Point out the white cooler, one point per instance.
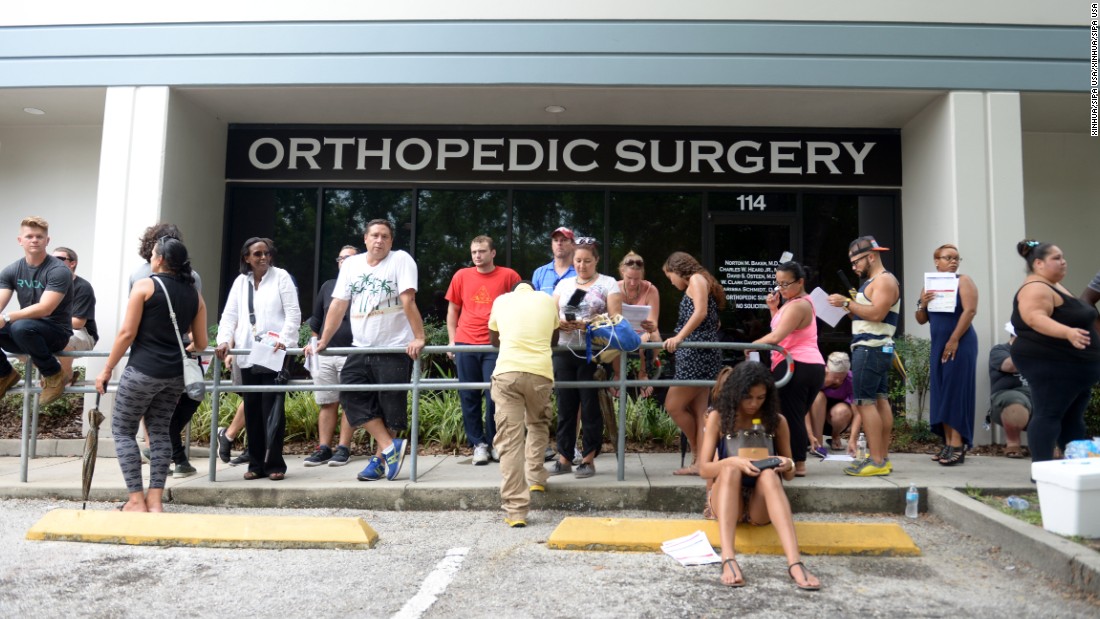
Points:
(1069, 495)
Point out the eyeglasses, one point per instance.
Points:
(65, 258)
(630, 262)
(785, 285)
(260, 254)
(949, 258)
(856, 261)
(586, 240)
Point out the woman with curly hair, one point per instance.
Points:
(743, 492)
(697, 322)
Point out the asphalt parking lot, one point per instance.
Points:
(503, 573)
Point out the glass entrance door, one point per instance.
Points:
(743, 253)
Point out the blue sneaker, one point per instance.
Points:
(395, 457)
(375, 470)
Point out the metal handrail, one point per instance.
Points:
(216, 386)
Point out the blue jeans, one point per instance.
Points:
(477, 367)
(36, 337)
(870, 374)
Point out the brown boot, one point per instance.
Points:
(53, 387)
(9, 380)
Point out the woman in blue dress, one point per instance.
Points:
(953, 362)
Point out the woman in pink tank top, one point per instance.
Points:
(794, 327)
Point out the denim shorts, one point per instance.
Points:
(870, 374)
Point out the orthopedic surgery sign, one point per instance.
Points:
(508, 154)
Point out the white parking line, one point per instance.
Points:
(434, 585)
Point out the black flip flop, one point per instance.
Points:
(805, 574)
(737, 573)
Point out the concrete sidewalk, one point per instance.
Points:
(452, 482)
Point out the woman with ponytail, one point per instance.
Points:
(1057, 350)
(152, 382)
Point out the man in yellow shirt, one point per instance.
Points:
(524, 325)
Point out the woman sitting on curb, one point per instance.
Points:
(743, 492)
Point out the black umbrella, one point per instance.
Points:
(91, 446)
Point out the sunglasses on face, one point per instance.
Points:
(633, 263)
(260, 254)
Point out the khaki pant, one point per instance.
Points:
(522, 401)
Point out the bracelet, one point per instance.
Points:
(920, 308)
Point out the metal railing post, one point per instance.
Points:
(621, 451)
(31, 369)
(414, 435)
(25, 445)
(215, 410)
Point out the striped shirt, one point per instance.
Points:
(872, 333)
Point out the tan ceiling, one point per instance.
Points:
(1049, 112)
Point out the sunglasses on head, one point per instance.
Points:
(631, 262)
(586, 240)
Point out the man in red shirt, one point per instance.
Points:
(470, 297)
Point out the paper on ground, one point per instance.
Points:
(838, 458)
(831, 315)
(694, 549)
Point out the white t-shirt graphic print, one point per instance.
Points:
(374, 296)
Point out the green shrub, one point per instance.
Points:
(914, 353)
(909, 434)
(1092, 413)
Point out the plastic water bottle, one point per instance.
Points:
(912, 501)
(754, 442)
(861, 447)
(1017, 503)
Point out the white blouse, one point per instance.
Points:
(276, 307)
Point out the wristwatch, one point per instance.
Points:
(847, 302)
(7, 319)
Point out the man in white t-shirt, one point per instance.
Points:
(378, 287)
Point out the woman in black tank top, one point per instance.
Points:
(1057, 350)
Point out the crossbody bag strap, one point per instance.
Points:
(172, 315)
(251, 308)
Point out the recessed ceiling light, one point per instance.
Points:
(555, 109)
(33, 110)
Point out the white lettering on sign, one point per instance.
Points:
(747, 282)
(702, 157)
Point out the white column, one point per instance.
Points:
(131, 170)
(962, 184)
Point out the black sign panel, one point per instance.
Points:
(565, 155)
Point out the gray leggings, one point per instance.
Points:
(140, 396)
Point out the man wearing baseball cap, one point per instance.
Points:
(548, 275)
(874, 313)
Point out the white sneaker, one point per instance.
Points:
(481, 454)
(494, 454)
(578, 457)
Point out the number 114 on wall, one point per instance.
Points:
(750, 202)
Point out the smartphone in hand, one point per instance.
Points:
(767, 463)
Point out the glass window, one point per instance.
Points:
(830, 222)
(446, 222)
(286, 216)
(654, 225)
(536, 214)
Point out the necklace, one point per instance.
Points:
(632, 298)
(587, 281)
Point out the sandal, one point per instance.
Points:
(954, 455)
(941, 454)
(253, 475)
(739, 576)
(708, 512)
(805, 576)
(1014, 451)
(277, 476)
